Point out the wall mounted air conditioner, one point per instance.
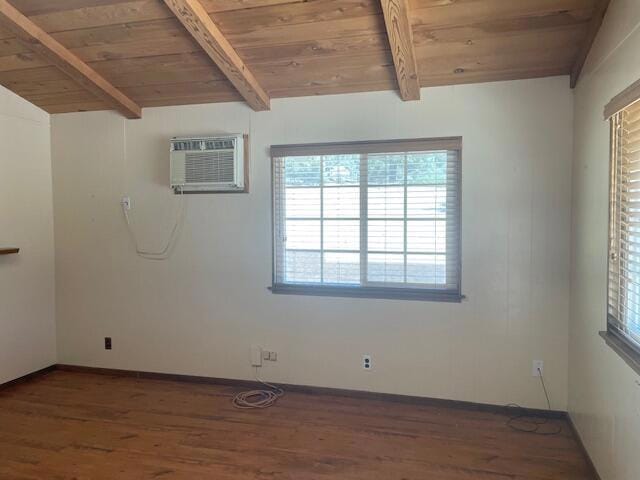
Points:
(208, 164)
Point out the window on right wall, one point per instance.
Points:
(623, 308)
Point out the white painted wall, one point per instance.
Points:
(604, 399)
(27, 324)
(200, 312)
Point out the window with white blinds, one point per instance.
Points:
(624, 227)
(374, 219)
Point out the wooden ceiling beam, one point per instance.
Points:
(197, 21)
(41, 43)
(592, 32)
(396, 19)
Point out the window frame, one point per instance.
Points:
(619, 341)
(371, 289)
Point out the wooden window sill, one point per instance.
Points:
(624, 351)
(368, 292)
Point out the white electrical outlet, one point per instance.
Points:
(366, 362)
(126, 203)
(269, 356)
(256, 356)
(537, 368)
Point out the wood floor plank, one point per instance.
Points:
(80, 426)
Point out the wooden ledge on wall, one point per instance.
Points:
(9, 250)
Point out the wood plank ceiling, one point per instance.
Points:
(292, 47)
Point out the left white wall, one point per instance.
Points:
(27, 311)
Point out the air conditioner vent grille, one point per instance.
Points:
(208, 164)
(219, 144)
(184, 145)
(210, 167)
(194, 145)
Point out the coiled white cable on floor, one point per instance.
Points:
(258, 398)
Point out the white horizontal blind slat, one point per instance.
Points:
(624, 225)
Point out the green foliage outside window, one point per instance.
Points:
(387, 169)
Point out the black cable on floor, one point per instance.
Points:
(526, 422)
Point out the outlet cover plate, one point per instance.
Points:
(367, 363)
(256, 356)
(537, 368)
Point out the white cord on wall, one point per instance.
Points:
(173, 236)
(168, 248)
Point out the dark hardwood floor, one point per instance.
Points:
(68, 425)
